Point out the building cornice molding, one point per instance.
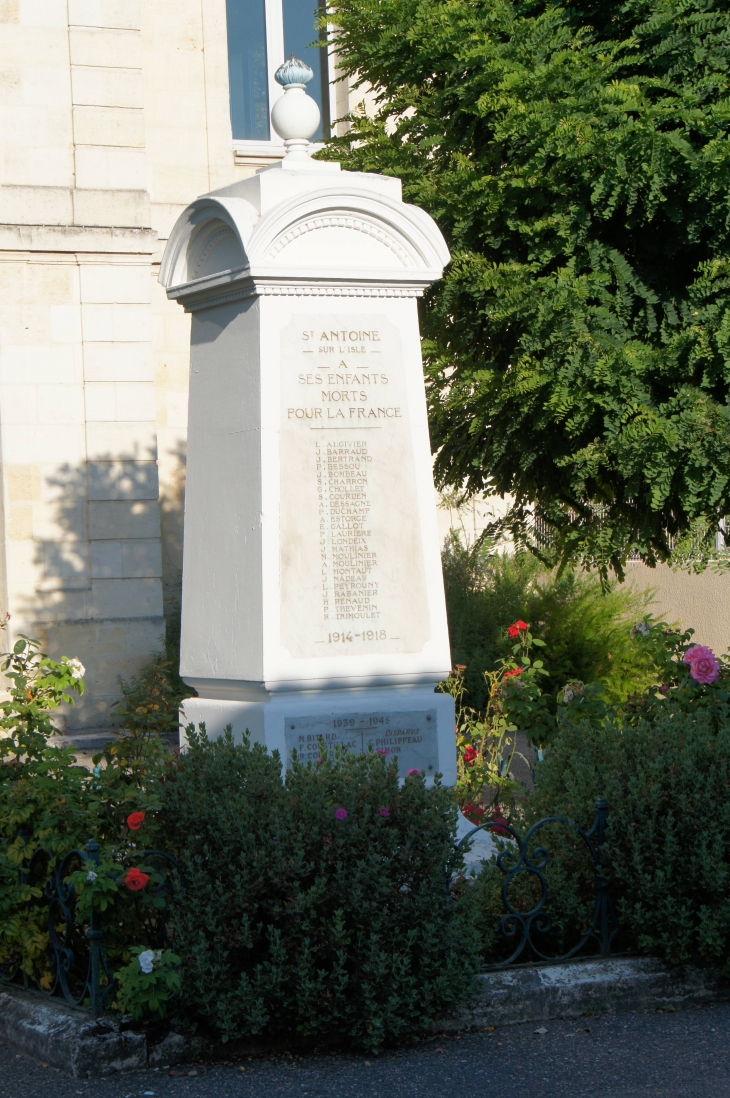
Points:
(77, 238)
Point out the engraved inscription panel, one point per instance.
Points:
(410, 737)
(352, 572)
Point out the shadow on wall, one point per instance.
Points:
(94, 579)
(172, 513)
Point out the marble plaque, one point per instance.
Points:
(351, 561)
(410, 737)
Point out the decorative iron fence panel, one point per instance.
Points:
(513, 863)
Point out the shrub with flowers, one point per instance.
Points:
(487, 741)
(49, 802)
(315, 907)
(319, 906)
(148, 982)
(661, 759)
(690, 676)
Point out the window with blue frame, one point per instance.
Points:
(258, 42)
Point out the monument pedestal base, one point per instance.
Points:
(410, 723)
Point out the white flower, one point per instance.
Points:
(77, 669)
(147, 961)
(572, 690)
(641, 627)
(91, 876)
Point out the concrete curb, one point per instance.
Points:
(539, 993)
(70, 1039)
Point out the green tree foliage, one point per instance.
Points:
(587, 632)
(576, 157)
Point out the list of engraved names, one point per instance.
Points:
(348, 561)
(351, 566)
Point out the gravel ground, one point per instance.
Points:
(679, 1055)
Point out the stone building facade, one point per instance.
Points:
(116, 113)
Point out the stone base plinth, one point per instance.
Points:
(413, 724)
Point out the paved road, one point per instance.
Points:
(684, 1055)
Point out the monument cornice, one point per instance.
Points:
(253, 241)
(244, 284)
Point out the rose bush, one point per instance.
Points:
(47, 801)
(148, 982)
(486, 741)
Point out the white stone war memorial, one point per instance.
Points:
(313, 604)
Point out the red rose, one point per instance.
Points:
(135, 820)
(472, 810)
(502, 830)
(470, 755)
(510, 674)
(517, 628)
(136, 880)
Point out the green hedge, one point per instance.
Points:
(667, 783)
(319, 906)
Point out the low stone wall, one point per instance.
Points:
(83, 1047)
(539, 993)
(70, 1039)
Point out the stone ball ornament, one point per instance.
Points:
(295, 116)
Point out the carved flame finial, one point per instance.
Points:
(295, 116)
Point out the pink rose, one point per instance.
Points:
(703, 664)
